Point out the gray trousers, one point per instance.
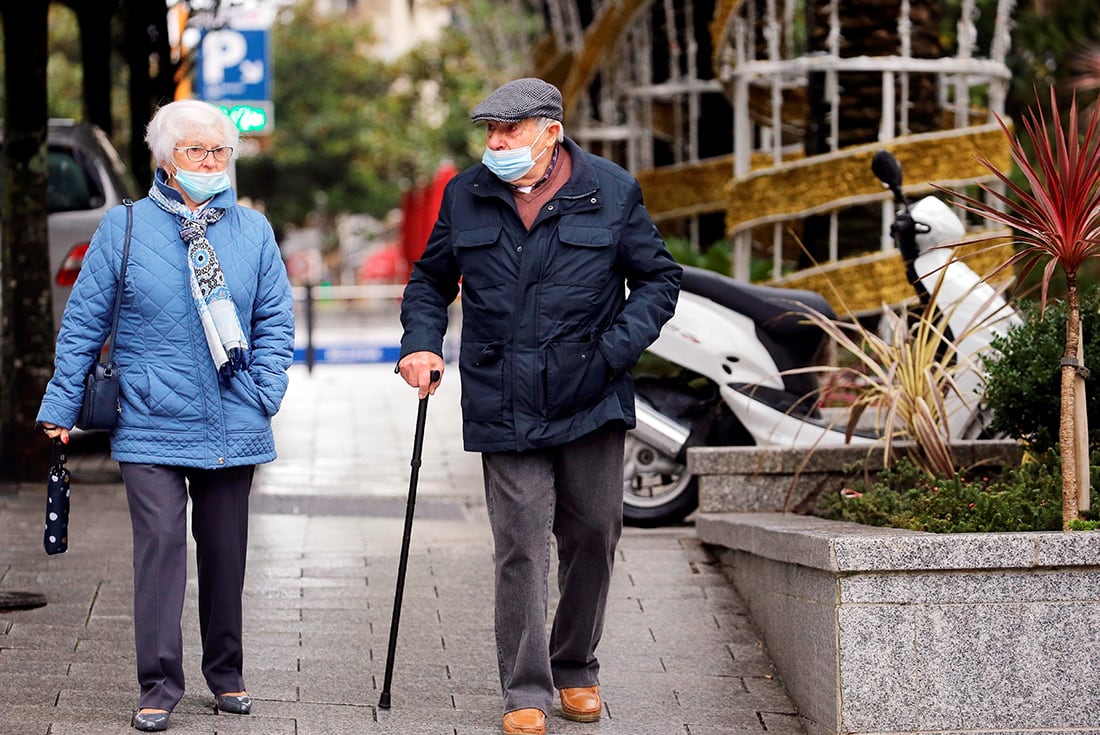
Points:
(157, 498)
(572, 493)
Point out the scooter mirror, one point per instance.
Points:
(887, 169)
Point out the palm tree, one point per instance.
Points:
(1056, 218)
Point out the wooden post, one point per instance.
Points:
(1082, 439)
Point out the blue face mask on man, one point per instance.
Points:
(201, 186)
(513, 165)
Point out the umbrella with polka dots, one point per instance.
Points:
(56, 535)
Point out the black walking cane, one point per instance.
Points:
(418, 443)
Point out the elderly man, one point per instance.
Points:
(546, 239)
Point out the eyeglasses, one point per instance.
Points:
(198, 154)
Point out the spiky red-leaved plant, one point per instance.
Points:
(1056, 219)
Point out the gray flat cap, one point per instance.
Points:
(519, 100)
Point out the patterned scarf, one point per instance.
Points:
(213, 301)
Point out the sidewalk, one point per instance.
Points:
(679, 654)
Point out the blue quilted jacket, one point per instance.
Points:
(174, 410)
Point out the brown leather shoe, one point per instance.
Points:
(581, 704)
(524, 722)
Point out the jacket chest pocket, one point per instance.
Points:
(586, 256)
(480, 257)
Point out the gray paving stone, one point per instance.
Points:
(679, 656)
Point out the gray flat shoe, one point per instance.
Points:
(235, 705)
(150, 721)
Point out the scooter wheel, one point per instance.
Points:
(657, 491)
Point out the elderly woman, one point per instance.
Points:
(204, 339)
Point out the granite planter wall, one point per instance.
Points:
(888, 631)
(768, 479)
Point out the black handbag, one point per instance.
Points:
(100, 408)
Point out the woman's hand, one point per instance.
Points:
(55, 432)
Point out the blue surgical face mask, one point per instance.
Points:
(201, 186)
(513, 165)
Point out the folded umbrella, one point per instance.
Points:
(56, 536)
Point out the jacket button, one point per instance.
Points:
(221, 460)
(593, 200)
(549, 207)
(519, 248)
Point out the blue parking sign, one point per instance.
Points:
(234, 64)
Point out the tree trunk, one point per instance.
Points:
(1081, 416)
(1067, 425)
(94, 19)
(164, 78)
(152, 74)
(26, 315)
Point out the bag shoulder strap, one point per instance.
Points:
(121, 279)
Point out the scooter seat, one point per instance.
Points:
(777, 310)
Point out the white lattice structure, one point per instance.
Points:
(643, 80)
(970, 89)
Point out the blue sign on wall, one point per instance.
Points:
(350, 354)
(234, 64)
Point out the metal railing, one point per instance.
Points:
(309, 295)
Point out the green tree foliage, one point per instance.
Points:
(353, 131)
(1024, 380)
(505, 34)
(63, 71)
(1046, 37)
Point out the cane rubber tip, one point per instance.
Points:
(384, 701)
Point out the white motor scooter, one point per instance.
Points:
(734, 346)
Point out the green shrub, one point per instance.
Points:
(717, 257)
(1023, 386)
(1024, 498)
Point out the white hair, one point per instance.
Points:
(541, 121)
(184, 119)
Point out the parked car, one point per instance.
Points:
(86, 177)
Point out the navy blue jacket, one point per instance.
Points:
(549, 333)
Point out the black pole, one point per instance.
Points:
(403, 563)
(309, 328)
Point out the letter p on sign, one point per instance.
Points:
(233, 68)
(221, 50)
